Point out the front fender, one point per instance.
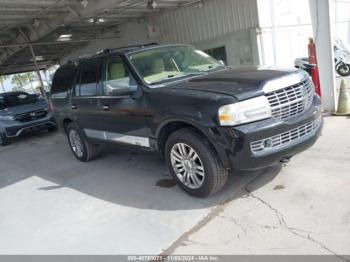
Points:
(170, 120)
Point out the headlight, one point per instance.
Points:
(6, 118)
(244, 112)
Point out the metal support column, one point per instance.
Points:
(42, 88)
(321, 23)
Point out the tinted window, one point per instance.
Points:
(117, 77)
(16, 99)
(62, 81)
(88, 79)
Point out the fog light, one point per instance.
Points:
(267, 143)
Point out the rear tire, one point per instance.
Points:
(4, 141)
(81, 148)
(194, 164)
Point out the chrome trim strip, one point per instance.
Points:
(99, 97)
(117, 137)
(22, 129)
(286, 139)
(284, 82)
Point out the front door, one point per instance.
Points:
(120, 106)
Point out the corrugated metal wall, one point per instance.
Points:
(210, 19)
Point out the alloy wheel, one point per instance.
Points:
(187, 165)
(76, 143)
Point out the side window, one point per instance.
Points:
(118, 77)
(88, 80)
(62, 82)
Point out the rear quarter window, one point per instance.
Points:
(63, 82)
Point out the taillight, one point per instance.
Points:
(50, 108)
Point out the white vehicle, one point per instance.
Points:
(342, 58)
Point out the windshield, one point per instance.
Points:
(172, 62)
(16, 99)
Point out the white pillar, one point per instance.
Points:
(321, 23)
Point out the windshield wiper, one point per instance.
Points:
(195, 73)
(176, 76)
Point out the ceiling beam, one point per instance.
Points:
(24, 44)
(48, 25)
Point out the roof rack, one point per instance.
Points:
(110, 50)
(104, 51)
(135, 46)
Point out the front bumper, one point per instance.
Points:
(16, 128)
(234, 145)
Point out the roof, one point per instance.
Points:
(122, 50)
(41, 22)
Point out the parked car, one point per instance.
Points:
(203, 117)
(21, 112)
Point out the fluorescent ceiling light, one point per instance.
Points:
(96, 20)
(84, 3)
(38, 58)
(36, 23)
(152, 4)
(65, 37)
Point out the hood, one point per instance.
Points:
(13, 111)
(241, 83)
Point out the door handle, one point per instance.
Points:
(74, 106)
(105, 107)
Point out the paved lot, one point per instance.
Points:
(123, 203)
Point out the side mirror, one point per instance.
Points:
(222, 62)
(121, 91)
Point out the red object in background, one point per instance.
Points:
(50, 106)
(314, 70)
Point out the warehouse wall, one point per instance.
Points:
(241, 47)
(207, 25)
(132, 33)
(208, 20)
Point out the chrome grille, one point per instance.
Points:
(30, 116)
(291, 101)
(285, 139)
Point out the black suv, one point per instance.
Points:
(203, 117)
(21, 112)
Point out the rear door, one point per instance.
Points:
(85, 94)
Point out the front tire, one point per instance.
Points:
(81, 148)
(194, 163)
(4, 141)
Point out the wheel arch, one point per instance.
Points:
(171, 126)
(65, 122)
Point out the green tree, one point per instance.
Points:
(29, 77)
(2, 80)
(18, 80)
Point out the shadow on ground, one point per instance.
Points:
(120, 176)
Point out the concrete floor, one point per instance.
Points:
(52, 204)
